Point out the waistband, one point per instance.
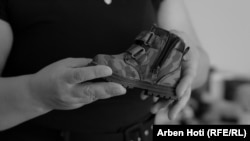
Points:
(140, 131)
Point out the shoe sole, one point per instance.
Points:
(152, 89)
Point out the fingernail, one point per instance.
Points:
(107, 70)
(119, 90)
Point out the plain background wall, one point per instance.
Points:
(223, 27)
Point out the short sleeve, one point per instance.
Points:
(3, 13)
(156, 4)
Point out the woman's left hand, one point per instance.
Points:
(190, 66)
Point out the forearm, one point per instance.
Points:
(173, 16)
(16, 103)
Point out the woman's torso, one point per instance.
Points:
(49, 30)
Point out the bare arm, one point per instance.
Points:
(15, 104)
(173, 15)
(57, 86)
(6, 39)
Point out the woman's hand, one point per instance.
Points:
(62, 85)
(183, 90)
(193, 76)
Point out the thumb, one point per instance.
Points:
(77, 62)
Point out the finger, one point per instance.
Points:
(179, 105)
(78, 75)
(157, 107)
(160, 105)
(189, 73)
(143, 95)
(161, 117)
(77, 62)
(183, 85)
(187, 56)
(95, 91)
(155, 99)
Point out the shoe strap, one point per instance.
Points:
(145, 39)
(137, 53)
(134, 55)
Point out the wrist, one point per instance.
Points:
(33, 95)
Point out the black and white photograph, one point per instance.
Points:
(124, 70)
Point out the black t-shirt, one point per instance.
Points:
(46, 31)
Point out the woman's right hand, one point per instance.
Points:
(62, 85)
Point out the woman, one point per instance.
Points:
(39, 86)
